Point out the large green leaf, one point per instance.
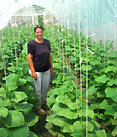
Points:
(90, 125)
(60, 135)
(100, 116)
(5, 102)
(2, 92)
(112, 82)
(12, 69)
(113, 121)
(3, 132)
(32, 134)
(22, 131)
(3, 112)
(63, 99)
(15, 68)
(49, 125)
(68, 113)
(77, 125)
(102, 79)
(30, 119)
(11, 81)
(21, 82)
(101, 94)
(27, 89)
(110, 111)
(114, 132)
(56, 108)
(95, 62)
(50, 99)
(28, 78)
(72, 105)
(18, 96)
(83, 112)
(91, 90)
(13, 119)
(104, 104)
(25, 107)
(112, 93)
(110, 68)
(68, 129)
(115, 115)
(84, 67)
(77, 133)
(96, 123)
(59, 122)
(50, 118)
(95, 105)
(101, 133)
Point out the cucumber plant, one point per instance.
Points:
(67, 102)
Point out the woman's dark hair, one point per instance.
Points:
(38, 26)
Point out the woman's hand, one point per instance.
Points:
(30, 61)
(34, 75)
(51, 71)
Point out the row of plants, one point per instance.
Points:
(67, 102)
(17, 100)
(72, 113)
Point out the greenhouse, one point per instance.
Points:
(82, 95)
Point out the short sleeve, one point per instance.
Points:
(30, 48)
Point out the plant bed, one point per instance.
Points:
(77, 109)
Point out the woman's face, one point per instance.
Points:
(39, 33)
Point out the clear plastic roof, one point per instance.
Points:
(97, 18)
(10, 7)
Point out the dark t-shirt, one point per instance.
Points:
(41, 54)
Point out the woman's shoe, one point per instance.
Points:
(41, 111)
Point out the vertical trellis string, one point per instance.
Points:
(3, 59)
(80, 54)
(61, 62)
(86, 68)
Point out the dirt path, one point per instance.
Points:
(39, 128)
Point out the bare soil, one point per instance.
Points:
(39, 128)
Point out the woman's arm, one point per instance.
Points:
(31, 65)
(51, 66)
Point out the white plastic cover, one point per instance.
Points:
(94, 18)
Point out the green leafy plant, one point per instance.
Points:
(101, 60)
(74, 112)
(16, 98)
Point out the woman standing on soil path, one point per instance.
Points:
(40, 64)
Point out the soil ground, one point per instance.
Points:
(39, 128)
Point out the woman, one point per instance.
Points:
(40, 63)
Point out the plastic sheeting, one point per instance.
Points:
(95, 18)
(9, 8)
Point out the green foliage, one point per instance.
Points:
(73, 111)
(67, 102)
(16, 96)
(22, 131)
(3, 132)
(40, 19)
(13, 119)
